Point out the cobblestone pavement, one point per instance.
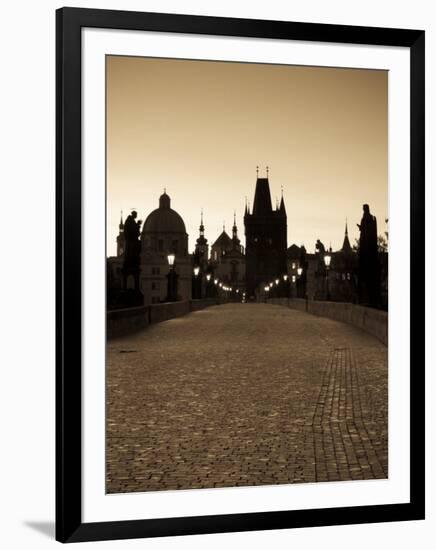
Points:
(245, 394)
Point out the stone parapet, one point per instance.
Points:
(121, 322)
(373, 321)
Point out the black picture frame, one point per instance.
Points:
(69, 525)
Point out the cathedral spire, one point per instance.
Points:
(121, 226)
(346, 247)
(201, 224)
(234, 228)
(201, 241)
(282, 204)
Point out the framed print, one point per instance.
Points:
(240, 308)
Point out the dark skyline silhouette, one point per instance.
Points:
(199, 129)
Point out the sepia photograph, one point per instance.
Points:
(247, 248)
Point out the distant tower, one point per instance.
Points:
(236, 243)
(201, 246)
(265, 237)
(346, 246)
(120, 237)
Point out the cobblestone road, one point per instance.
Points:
(245, 394)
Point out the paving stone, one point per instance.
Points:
(243, 395)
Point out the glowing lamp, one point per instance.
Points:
(171, 258)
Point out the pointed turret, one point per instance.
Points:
(346, 247)
(120, 237)
(201, 224)
(282, 205)
(262, 198)
(201, 246)
(234, 228)
(201, 241)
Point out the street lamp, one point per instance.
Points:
(215, 282)
(209, 285)
(327, 260)
(299, 282)
(196, 283)
(172, 280)
(292, 280)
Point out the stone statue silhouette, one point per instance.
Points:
(369, 279)
(132, 229)
(320, 248)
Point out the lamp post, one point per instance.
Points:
(196, 295)
(293, 281)
(208, 285)
(299, 274)
(327, 260)
(286, 287)
(266, 292)
(172, 279)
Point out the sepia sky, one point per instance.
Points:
(199, 128)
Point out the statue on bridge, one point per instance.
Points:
(369, 270)
(132, 230)
(320, 248)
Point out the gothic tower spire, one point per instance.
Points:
(201, 247)
(121, 237)
(265, 237)
(346, 247)
(282, 204)
(234, 228)
(201, 225)
(262, 197)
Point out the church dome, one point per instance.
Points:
(164, 219)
